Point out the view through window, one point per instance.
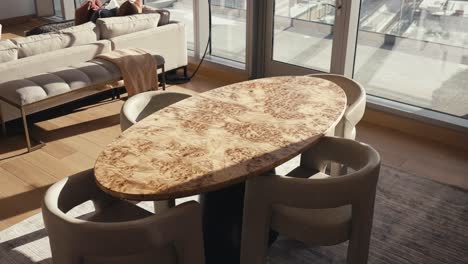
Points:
(228, 25)
(181, 10)
(58, 8)
(303, 33)
(416, 52)
(410, 51)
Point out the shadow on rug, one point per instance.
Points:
(416, 220)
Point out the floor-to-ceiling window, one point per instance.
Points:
(181, 10)
(303, 33)
(228, 25)
(415, 52)
(58, 12)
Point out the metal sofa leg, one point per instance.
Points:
(26, 133)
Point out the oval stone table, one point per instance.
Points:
(217, 139)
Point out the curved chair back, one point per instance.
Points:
(171, 237)
(144, 104)
(356, 96)
(356, 189)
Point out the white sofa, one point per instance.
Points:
(43, 71)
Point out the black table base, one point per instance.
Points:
(222, 224)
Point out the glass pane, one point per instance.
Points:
(181, 10)
(58, 8)
(415, 52)
(303, 32)
(229, 29)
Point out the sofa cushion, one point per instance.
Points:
(96, 72)
(8, 51)
(117, 26)
(60, 81)
(33, 65)
(32, 45)
(79, 35)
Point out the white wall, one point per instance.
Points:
(16, 8)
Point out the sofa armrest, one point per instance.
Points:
(168, 41)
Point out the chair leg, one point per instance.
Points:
(26, 133)
(361, 229)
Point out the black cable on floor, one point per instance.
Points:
(175, 79)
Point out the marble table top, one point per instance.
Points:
(218, 138)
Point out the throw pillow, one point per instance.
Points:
(117, 26)
(130, 8)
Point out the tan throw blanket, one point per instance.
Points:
(138, 68)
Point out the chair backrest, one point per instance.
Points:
(174, 236)
(144, 104)
(356, 97)
(352, 188)
(356, 189)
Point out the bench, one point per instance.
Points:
(77, 81)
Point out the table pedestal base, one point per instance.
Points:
(222, 224)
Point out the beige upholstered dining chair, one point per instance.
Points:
(356, 96)
(312, 207)
(118, 231)
(144, 104)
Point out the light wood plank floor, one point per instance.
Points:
(15, 30)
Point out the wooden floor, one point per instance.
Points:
(75, 139)
(17, 29)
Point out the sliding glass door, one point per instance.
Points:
(227, 26)
(302, 35)
(306, 36)
(410, 55)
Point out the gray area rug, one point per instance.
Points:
(416, 221)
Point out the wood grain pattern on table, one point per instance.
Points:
(219, 138)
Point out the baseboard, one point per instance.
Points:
(417, 128)
(216, 69)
